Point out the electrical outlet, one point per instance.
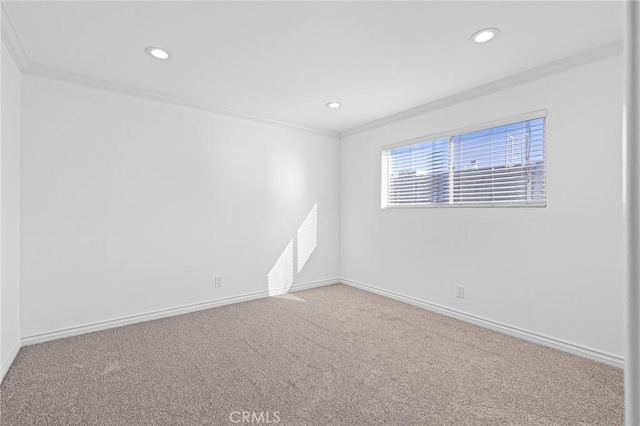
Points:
(218, 282)
(460, 291)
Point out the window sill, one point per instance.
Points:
(458, 206)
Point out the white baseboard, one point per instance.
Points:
(6, 364)
(163, 313)
(555, 343)
(541, 339)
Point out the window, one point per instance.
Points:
(501, 165)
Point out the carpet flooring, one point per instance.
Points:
(331, 355)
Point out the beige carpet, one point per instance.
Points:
(327, 356)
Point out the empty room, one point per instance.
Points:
(320, 213)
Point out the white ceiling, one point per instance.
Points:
(285, 60)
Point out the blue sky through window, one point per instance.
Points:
(511, 144)
(495, 165)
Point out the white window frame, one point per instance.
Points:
(448, 134)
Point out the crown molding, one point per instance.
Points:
(13, 41)
(11, 38)
(533, 74)
(110, 86)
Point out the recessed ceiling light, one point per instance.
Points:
(485, 35)
(157, 53)
(334, 105)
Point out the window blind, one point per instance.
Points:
(501, 165)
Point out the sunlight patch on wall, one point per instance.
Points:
(307, 237)
(280, 277)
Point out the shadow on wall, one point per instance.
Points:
(280, 278)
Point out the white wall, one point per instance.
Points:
(10, 210)
(556, 271)
(132, 206)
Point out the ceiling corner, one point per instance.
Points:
(11, 38)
